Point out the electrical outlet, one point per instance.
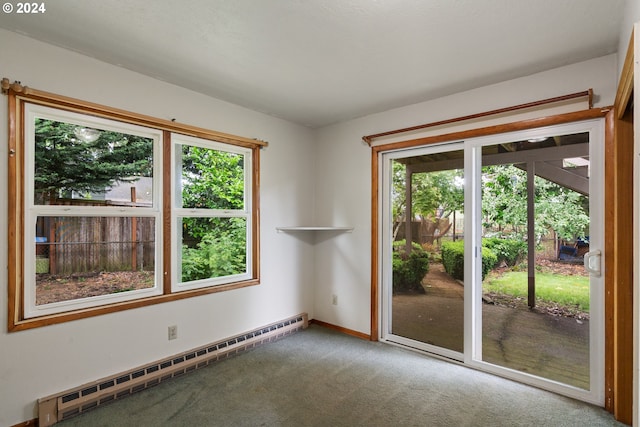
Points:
(334, 299)
(173, 332)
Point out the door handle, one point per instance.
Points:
(592, 261)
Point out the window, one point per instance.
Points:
(212, 206)
(93, 231)
(112, 210)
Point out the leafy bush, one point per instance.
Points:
(489, 260)
(453, 259)
(511, 251)
(219, 253)
(409, 270)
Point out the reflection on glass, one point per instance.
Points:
(213, 247)
(82, 257)
(428, 204)
(76, 165)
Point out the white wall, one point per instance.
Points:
(631, 16)
(343, 190)
(42, 361)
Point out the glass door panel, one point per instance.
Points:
(535, 233)
(427, 301)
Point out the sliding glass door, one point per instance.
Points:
(426, 305)
(491, 255)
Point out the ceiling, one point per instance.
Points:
(320, 62)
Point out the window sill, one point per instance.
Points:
(51, 319)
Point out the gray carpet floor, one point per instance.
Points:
(319, 377)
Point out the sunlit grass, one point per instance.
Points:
(564, 290)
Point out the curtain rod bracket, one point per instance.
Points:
(16, 86)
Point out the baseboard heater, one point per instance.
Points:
(69, 403)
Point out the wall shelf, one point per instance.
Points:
(314, 228)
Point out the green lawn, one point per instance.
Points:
(564, 290)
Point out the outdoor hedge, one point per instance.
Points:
(511, 251)
(453, 259)
(489, 260)
(409, 270)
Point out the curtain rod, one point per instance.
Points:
(587, 93)
(130, 117)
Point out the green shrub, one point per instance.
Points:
(409, 270)
(453, 259)
(219, 253)
(489, 260)
(511, 251)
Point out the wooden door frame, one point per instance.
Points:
(619, 247)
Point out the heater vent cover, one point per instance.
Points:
(77, 400)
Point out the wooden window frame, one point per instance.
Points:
(19, 96)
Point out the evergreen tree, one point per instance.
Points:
(65, 163)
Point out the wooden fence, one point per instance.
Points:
(69, 245)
